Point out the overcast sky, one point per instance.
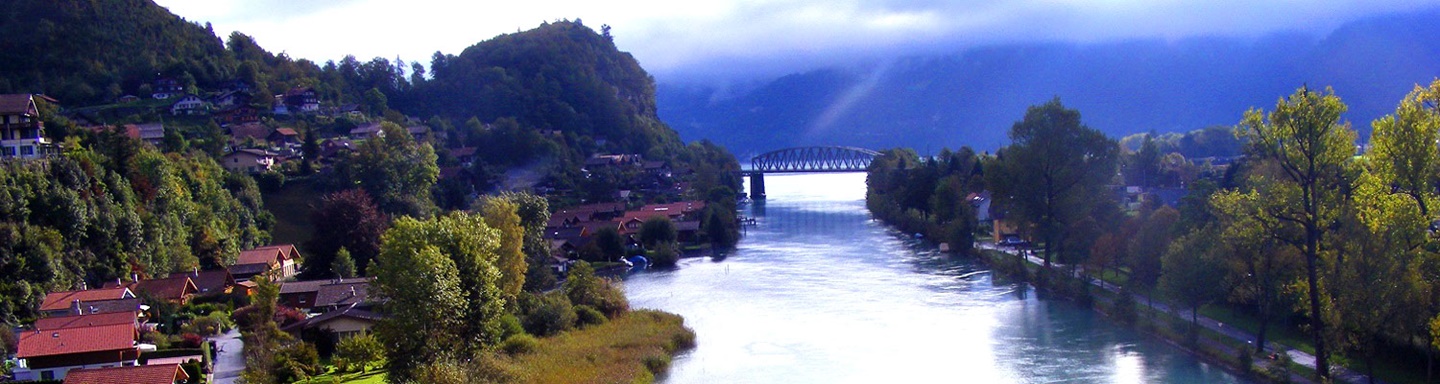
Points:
(675, 40)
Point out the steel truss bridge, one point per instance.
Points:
(806, 160)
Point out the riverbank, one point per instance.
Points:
(1209, 339)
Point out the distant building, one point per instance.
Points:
(189, 105)
(249, 160)
(166, 87)
(153, 133)
(302, 100)
(21, 132)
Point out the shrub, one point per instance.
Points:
(296, 362)
(549, 315)
(584, 288)
(356, 353)
(520, 344)
(191, 340)
(664, 255)
(587, 315)
(213, 324)
(657, 364)
(509, 325)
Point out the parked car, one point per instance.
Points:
(1013, 241)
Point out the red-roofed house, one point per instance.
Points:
(284, 136)
(95, 320)
(66, 302)
(144, 374)
(214, 281)
(50, 354)
(177, 288)
(276, 261)
(305, 294)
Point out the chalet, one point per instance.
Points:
(344, 322)
(278, 262)
(127, 99)
(189, 105)
(88, 301)
(366, 131)
(418, 131)
(280, 107)
(464, 155)
(230, 99)
(302, 100)
(332, 147)
(249, 160)
(241, 133)
(238, 114)
(215, 281)
(177, 288)
(166, 87)
(144, 374)
(21, 132)
(284, 136)
(94, 320)
(128, 130)
(343, 294)
(599, 160)
(50, 354)
(236, 85)
(656, 168)
(306, 294)
(153, 133)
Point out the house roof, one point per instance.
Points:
(174, 287)
(286, 132)
(267, 254)
(367, 128)
(143, 374)
(462, 151)
(255, 131)
(15, 104)
(110, 306)
(113, 318)
(62, 300)
(342, 294)
(567, 233)
(249, 269)
(151, 130)
(64, 341)
(314, 285)
(211, 280)
(349, 311)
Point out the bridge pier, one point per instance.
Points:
(757, 186)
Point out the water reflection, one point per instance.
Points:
(818, 292)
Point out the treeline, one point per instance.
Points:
(926, 196)
(110, 207)
(1304, 228)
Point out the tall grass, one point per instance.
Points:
(633, 347)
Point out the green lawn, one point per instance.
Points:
(375, 376)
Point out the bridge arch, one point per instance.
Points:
(806, 160)
(813, 159)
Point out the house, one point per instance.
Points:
(366, 131)
(85, 301)
(215, 281)
(177, 288)
(189, 105)
(418, 131)
(153, 133)
(302, 100)
(352, 110)
(284, 136)
(93, 320)
(280, 107)
(22, 134)
(305, 294)
(144, 374)
(50, 354)
(330, 148)
(464, 155)
(165, 88)
(237, 115)
(230, 98)
(344, 322)
(343, 294)
(241, 133)
(601, 160)
(127, 99)
(249, 160)
(276, 261)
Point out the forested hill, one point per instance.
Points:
(95, 50)
(972, 97)
(561, 76)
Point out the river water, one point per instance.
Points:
(818, 292)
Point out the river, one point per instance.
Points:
(817, 292)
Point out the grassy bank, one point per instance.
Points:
(631, 348)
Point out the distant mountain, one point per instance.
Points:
(971, 98)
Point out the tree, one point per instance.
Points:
(261, 334)
(1259, 265)
(472, 248)
(343, 267)
(657, 230)
(395, 170)
(347, 219)
(356, 353)
(426, 307)
(1053, 172)
(1190, 276)
(500, 213)
(1306, 141)
(609, 244)
(584, 288)
(1149, 246)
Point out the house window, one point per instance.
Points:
(27, 151)
(8, 151)
(47, 375)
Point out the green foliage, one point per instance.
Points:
(357, 353)
(421, 283)
(501, 214)
(1189, 268)
(584, 288)
(343, 267)
(607, 244)
(295, 362)
(664, 255)
(928, 196)
(395, 170)
(657, 230)
(587, 315)
(520, 344)
(547, 314)
(1053, 173)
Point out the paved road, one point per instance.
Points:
(229, 359)
(1342, 374)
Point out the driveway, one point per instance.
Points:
(229, 357)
